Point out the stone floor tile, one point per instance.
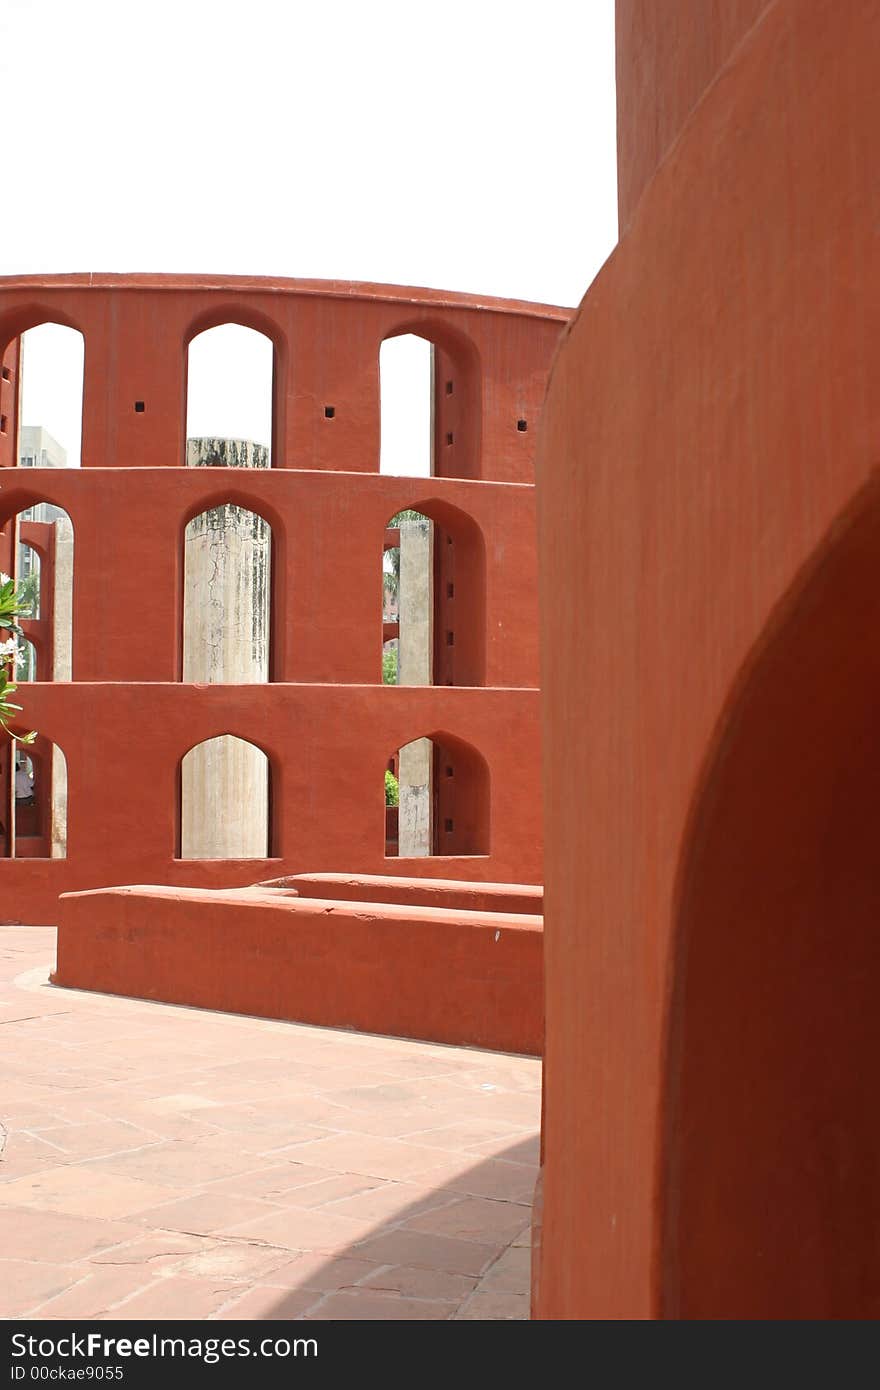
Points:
(178, 1299)
(232, 1259)
(298, 1172)
(474, 1218)
(97, 1293)
(98, 1138)
(261, 1303)
(331, 1190)
(373, 1156)
(468, 1135)
(511, 1272)
(426, 1251)
(395, 1201)
(490, 1306)
(81, 1192)
(274, 1183)
(54, 1238)
(361, 1305)
(157, 1250)
(203, 1213)
(508, 1182)
(294, 1228)
(321, 1273)
(411, 1282)
(514, 1149)
(177, 1164)
(24, 1284)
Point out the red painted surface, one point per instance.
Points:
(326, 722)
(442, 974)
(426, 892)
(709, 521)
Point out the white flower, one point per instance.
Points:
(9, 647)
(4, 578)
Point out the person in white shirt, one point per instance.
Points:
(24, 786)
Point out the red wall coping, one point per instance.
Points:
(465, 978)
(443, 893)
(322, 289)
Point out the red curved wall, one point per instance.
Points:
(709, 676)
(325, 721)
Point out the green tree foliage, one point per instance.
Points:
(392, 790)
(389, 666)
(12, 606)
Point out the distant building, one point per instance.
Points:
(38, 449)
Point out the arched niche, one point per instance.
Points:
(232, 394)
(225, 804)
(431, 402)
(36, 778)
(37, 545)
(442, 796)
(227, 614)
(50, 368)
(771, 1185)
(433, 597)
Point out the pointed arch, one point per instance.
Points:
(434, 570)
(444, 427)
(234, 369)
(224, 807)
(772, 1172)
(443, 798)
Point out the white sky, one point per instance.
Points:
(465, 146)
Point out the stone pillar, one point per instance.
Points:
(226, 615)
(414, 668)
(62, 670)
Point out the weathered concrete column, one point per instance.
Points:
(62, 670)
(414, 668)
(226, 614)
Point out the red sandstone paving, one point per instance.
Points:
(168, 1162)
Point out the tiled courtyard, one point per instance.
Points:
(162, 1162)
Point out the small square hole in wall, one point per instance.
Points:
(448, 826)
(139, 407)
(450, 772)
(450, 639)
(3, 423)
(522, 426)
(449, 438)
(449, 388)
(6, 374)
(329, 412)
(450, 591)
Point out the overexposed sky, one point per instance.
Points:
(465, 146)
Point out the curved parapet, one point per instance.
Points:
(325, 719)
(708, 528)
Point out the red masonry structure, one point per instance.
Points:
(324, 719)
(709, 519)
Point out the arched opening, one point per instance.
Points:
(229, 398)
(26, 661)
(36, 801)
(433, 598)
(225, 801)
(50, 373)
(28, 574)
(430, 393)
(406, 376)
(40, 544)
(772, 1182)
(227, 597)
(436, 799)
